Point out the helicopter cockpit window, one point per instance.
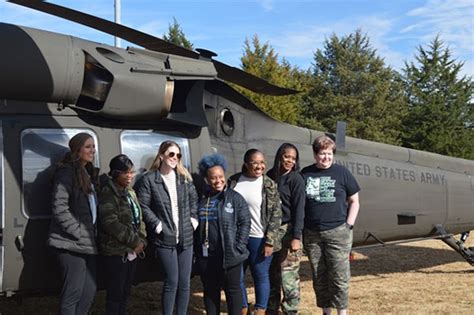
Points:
(141, 147)
(41, 150)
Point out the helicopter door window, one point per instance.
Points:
(41, 149)
(141, 147)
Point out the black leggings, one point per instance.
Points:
(214, 278)
(119, 274)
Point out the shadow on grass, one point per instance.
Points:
(145, 298)
(397, 259)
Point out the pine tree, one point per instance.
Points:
(262, 61)
(440, 109)
(351, 83)
(176, 35)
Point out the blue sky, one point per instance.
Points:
(295, 29)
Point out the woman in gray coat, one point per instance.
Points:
(72, 229)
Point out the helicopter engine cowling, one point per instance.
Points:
(122, 83)
(34, 69)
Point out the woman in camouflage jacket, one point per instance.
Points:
(122, 235)
(261, 194)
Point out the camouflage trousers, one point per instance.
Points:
(328, 253)
(284, 276)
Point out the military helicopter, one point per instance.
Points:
(130, 100)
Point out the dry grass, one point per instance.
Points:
(416, 278)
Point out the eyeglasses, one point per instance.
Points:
(172, 154)
(257, 163)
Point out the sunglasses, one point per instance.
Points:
(172, 154)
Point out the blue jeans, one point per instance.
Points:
(176, 263)
(259, 267)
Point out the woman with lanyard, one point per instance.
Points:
(121, 232)
(261, 194)
(169, 201)
(221, 239)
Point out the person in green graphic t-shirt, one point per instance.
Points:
(331, 208)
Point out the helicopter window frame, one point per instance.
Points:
(227, 121)
(141, 146)
(35, 167)
(2, 204)
(2, 178)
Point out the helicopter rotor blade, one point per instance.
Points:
(249, 81)
(124, 32)
(225, 72)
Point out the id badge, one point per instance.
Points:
(205, 251)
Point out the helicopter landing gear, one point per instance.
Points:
(458, 245)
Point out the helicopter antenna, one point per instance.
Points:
(118, 13)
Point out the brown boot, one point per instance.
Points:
(260, 311)
(245, 310)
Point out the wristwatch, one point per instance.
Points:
(349, 226)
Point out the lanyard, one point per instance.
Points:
(135, 210)
(206, 229)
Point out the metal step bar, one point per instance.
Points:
(458, 245)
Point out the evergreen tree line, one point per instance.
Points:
(427, 105)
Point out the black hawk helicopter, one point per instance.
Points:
(53, 86)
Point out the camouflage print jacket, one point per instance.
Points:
(271, 210)
(117, 233)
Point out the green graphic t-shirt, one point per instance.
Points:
(326, 196)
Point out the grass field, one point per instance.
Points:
(425, 277)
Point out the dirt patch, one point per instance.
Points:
(425, 277)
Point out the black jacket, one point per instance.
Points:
(71, 225)
(291, 187)
(234, 227)
(155, 202)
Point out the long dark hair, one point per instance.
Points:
(274, 173)
(84, 175)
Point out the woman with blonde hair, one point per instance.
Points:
(73, 222)
(169, 202)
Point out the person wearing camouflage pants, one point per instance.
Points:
(284, 270)
(328, 253)
(284, 276)
(331, 208)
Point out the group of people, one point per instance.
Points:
(255, 219)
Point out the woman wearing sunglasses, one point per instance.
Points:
(169, 201)
(121, 232)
